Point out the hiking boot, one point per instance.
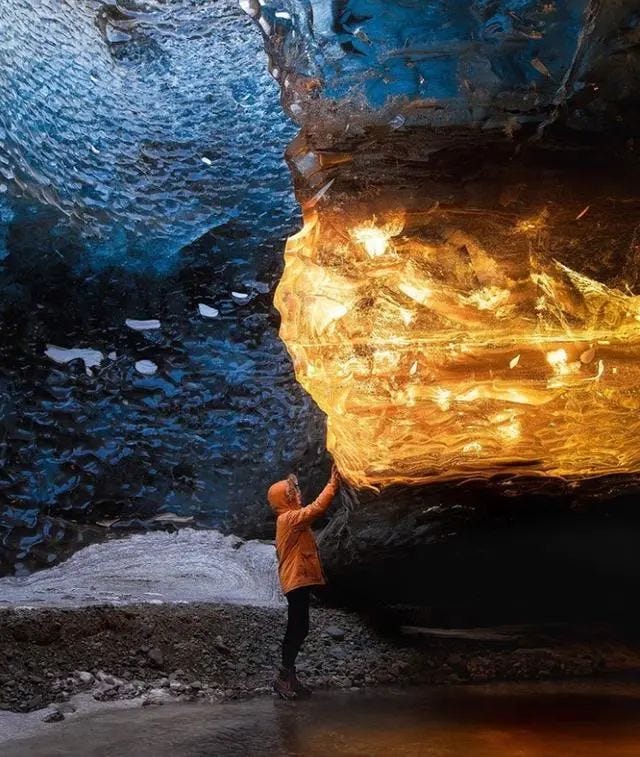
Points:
(284, 685)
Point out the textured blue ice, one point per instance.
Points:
(145, 124)
(141, 174)
(480, 63)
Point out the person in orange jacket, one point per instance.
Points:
(298, 568)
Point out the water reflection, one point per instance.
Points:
(584, 718)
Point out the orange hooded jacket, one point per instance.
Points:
(298, 559)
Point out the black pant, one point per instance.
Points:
(297, 625)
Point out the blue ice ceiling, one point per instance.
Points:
(144, 203)
(145, 123)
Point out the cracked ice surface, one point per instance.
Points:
(188, 566)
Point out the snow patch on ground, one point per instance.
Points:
(20, 725)
(186, 566)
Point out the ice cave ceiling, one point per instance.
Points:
(462, 299)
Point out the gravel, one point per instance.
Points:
(209, 652)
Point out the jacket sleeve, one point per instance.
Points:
(306, 515)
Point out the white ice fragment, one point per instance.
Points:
(206, 311)
(307, 163)
(190, 565)
(514, 361)
(239, 296)
(283, 14)
(146, 367)
(61, 355)
(115, 36)
(248, 7)
(148, 325)
(397, 122)
(319, 194)
(112, 356)
(206, 161)
(93, 149)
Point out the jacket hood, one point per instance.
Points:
(277, 497)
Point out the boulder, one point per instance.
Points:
(487, 552)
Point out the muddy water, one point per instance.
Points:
(580, 719)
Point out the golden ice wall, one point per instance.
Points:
(440, 352)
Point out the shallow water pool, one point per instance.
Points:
(582, 719)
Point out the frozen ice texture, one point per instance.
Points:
(141, 147)
(188, 566)
(473, 62)
(468, 175)
(143, 123)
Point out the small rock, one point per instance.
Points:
(336, 633)
(55, 716)
(156, 658)
(195, 685)
(157, 697)
(84, 677)
(64, 707)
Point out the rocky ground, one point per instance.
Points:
(210, 652)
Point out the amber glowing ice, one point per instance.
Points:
(440, 346)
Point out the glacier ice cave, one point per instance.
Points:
(459, 294)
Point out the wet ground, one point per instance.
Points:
(583, 719)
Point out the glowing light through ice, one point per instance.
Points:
(431, 361)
